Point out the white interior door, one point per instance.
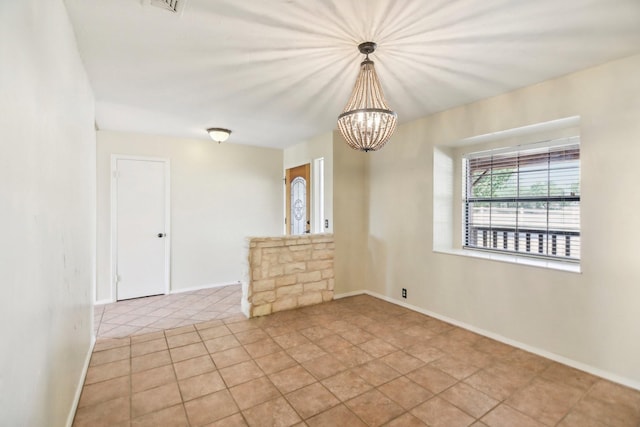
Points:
(141, 242)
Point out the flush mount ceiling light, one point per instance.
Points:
(175, 6)
(367, 122)
(219, 134)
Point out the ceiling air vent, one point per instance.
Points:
(175, 6)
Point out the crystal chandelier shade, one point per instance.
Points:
(367, 122)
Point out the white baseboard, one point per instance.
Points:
(540, 352)
(198, 288)
(350, 294)
(83, 376)
(179, 291)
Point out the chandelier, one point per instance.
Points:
(367, 122)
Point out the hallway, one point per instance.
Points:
(157, 313)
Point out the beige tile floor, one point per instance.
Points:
(352, 362)
(157, 313)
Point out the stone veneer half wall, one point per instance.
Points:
(287, 272)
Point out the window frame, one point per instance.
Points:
(546, 238)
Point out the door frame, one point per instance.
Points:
(114, 220)
(317, 196)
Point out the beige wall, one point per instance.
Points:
(350, 216)
(590, 318)
(220, 194)
(47, 208)
(306, 152)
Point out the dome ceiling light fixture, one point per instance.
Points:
(367, 122)
(219, 134)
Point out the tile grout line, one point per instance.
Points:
(130, 380)
(582, 397)
(175, 376)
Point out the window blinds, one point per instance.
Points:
(524, 199)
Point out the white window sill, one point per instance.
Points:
(513, 259)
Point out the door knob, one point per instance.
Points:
(161, 235)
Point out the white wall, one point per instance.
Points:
(47, 211)
(306, 152)
(590, 318)
(220, 194)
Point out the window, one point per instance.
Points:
(524, 200)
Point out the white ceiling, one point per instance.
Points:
(278, 72)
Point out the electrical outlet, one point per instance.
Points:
(326, 223)
(404, 292)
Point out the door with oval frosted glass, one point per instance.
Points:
(298, 196)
